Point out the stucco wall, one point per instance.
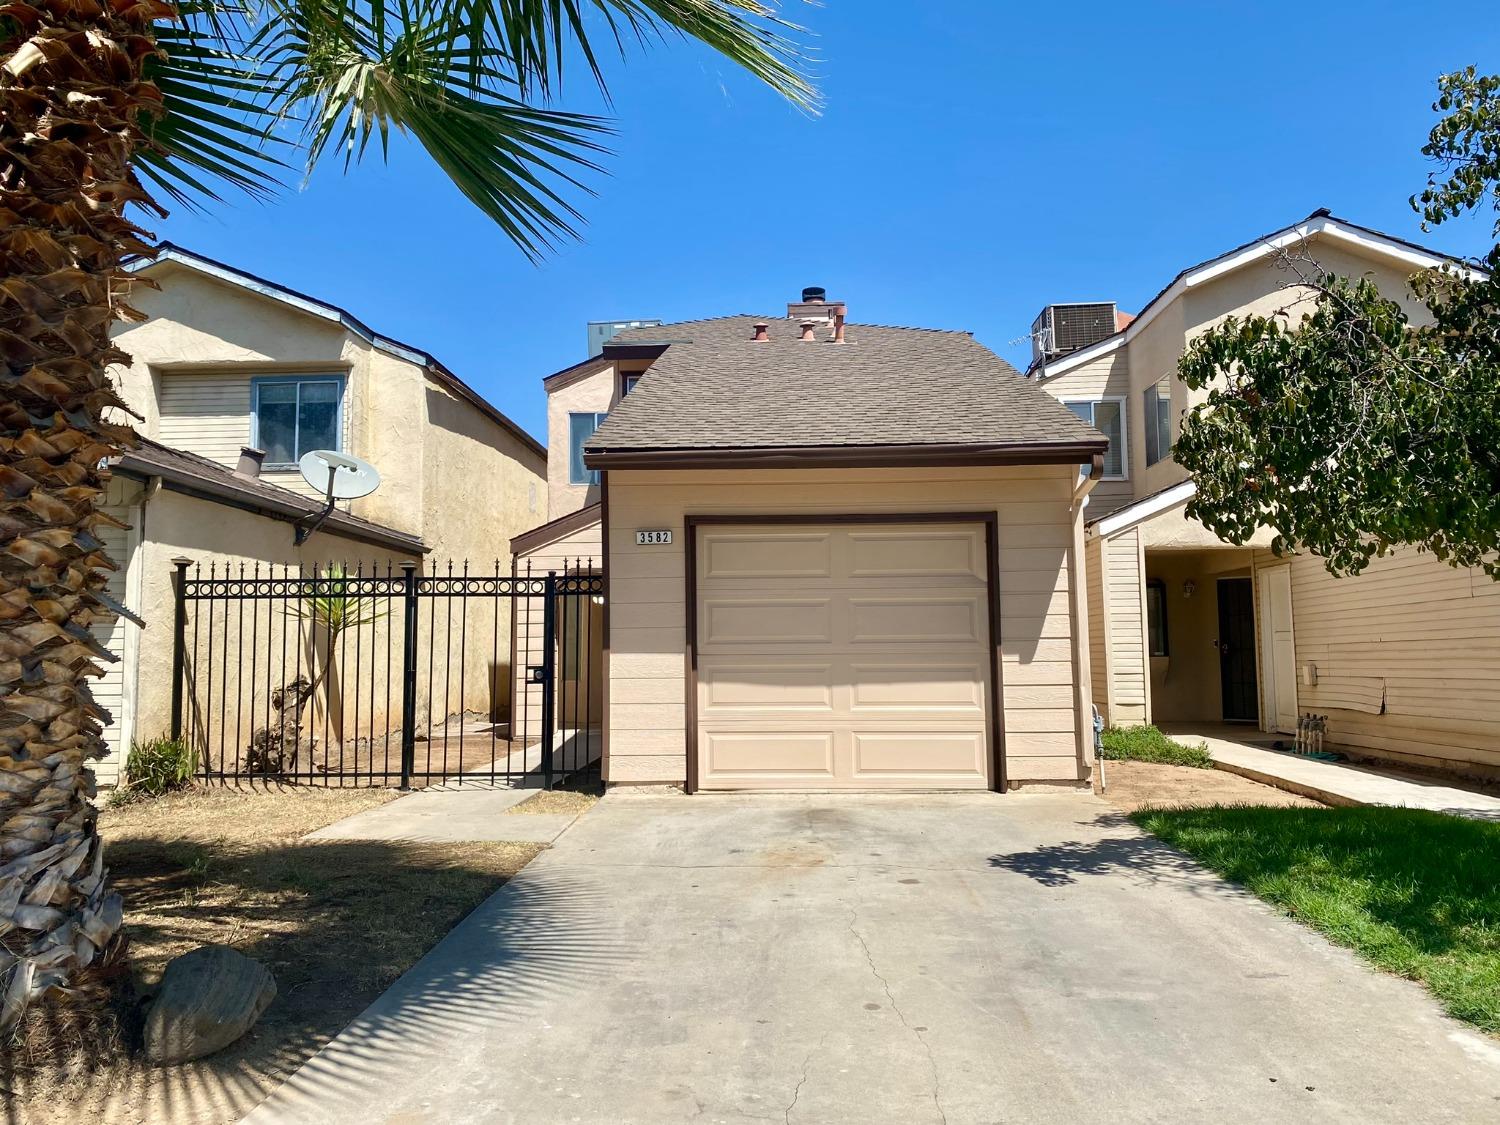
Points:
(591, 394)
(647, 608)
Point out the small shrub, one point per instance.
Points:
(156, 767)
(1147, 744)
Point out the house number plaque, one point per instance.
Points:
(658, 538)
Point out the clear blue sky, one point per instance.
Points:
(974, 161)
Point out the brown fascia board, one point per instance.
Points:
(559, 379)
(847, 456)
(554, 530)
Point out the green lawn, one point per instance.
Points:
(1147, 744)
(1417, 893)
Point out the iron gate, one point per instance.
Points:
(386, 675)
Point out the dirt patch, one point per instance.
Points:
(555, 801)
(1134, 785)
(336, 922)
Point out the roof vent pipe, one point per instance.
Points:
(250, 461)
(762, 335)
(839, 312)
(807, 329)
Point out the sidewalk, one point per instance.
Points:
(1332, 782)
(451, 815)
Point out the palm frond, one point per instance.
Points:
(213, 129)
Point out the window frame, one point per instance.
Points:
(1119, 400)
(338, 379)
(1160, 418)
(1158, 585)
(628, 380)
(591, 476)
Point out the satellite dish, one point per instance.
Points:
(339, 476)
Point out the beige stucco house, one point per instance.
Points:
(837, 555)
(1185, 628)
(234, 377)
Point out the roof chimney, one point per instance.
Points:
(762, 335)
(814, 295)
(808, 327)
(250, 462)
(813, 306)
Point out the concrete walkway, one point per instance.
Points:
(944, 959)
(1335, 783)
(451, 815)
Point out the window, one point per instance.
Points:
(1156, 616)
(295, 414)
(581, 427)
(1107, 415)
(628, 383)
(1158, 416)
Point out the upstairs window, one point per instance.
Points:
(581, 427)
(1158, 415)
(295, 414)
(1107, 415)
(627, 384)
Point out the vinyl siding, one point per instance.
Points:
(1098, 627)
(115, 690)
(1407, 656)
(647, 666)
(583, 550)
(1125, 592)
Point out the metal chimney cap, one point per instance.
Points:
(814, 294)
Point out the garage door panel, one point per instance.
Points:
(737, 555)
(924, 553)
(944, 688)
(769, 755)
(871, 673)
(735, 686)
(917, 620)
(747, 622)
(916, 755)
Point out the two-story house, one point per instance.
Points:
(837, 555)
(234, 378)
(1184, 628)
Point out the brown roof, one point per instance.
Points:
(713, 389)
(193, 475)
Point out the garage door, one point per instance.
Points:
(843, 657)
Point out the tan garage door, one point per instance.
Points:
(843, 657)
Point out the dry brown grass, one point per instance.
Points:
(555, 801)
(335, 921)
(1136, 785)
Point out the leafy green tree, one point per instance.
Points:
(1348, 425)
(102, 101)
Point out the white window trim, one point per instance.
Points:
(338, 378)
(591, 475)
(1124, 427)
(1162, 454)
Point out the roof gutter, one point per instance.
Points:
(226, 493)
(849, 456)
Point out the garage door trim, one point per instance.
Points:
(749, 519)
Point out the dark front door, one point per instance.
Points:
(1237, 650)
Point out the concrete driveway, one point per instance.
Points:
(886, 959)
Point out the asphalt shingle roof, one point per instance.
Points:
(715, 388)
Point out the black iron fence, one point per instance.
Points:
(381, 675)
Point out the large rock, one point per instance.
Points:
(208, 999)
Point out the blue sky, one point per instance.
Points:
(974, 161)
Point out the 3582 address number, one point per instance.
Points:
(658, 538)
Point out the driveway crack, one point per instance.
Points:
(937, 1101)
(801, 1082)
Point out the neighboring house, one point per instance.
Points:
(234, 378)
(1186, 628)
(837, 555)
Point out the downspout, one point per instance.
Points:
(1078, 601)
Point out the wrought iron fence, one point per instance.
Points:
(385, 675)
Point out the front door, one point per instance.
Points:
(1237, 650)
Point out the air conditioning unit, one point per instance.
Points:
(1060, 329)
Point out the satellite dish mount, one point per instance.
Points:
(339, 476)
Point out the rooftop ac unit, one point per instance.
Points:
(1060, 329)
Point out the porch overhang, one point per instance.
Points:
(1165, 525)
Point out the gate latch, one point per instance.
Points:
(536, 673)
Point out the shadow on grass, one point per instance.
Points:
(1415, 892)
(336, 923)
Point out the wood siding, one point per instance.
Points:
(1124, 585)
(1407, 657)
(582, 549)
(1105, 377)
(647, 665)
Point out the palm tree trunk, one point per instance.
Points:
(71, 92)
